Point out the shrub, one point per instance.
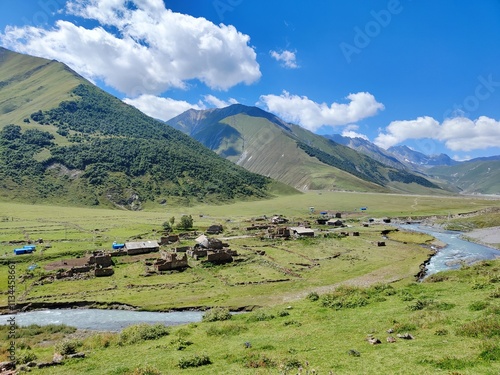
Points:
(195, 361)
(420, 304)
(142, 332)
(67, 347)
(260, 316)
(25, 357)
(283, 313)
(180, 343)
(216, 314)
(313, 296)
(346, 297)
(259, 361)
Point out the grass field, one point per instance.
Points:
(315, 300)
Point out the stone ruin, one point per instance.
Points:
(170, 261)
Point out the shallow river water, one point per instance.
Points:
(102, 320)
(456, 252)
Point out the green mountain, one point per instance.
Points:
(265, 144)
(475, 176)
(63, 139)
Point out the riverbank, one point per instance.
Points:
(486, 236)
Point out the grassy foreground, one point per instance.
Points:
(454, 320)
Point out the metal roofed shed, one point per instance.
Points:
(302, 231)
(141, 247)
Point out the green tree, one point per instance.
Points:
(186, 222)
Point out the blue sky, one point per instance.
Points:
(422, 73)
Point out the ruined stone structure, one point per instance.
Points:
(101, 272)
(100, 259)
(170, 261)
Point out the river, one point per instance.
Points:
(101, 320)
(455, 253)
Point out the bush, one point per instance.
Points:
(260, 316)
(346, 298)
(216, 314)
(25, 357)
(67, 347)
(259, 361)
(313, 296)
(195, 361)
(142, 332)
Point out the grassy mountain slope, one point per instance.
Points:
(472, 177)
(263, 143)
(63, 139)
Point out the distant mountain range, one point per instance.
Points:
(265, 144)
(479, 175)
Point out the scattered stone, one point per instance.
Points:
(76, 355)
(373, 340)
(391, 339)
(406, 336)
(57, 357)
(390, 330)
(31, 364)
(5, 366)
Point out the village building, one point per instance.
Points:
(170, 261)
(335, 222)
(214, 229)
(143, 247)
(302, 231)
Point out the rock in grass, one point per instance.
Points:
(406, 336)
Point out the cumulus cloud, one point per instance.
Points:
(167, 108)
(161, 108)
(311, 115)
(219, 103)
(398, 131)
(458, 133)
(287, 58)
(150, 50)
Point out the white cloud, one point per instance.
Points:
(463, 134)
(219, 103)
(458, 133)
(287, 58)
(152, 49)
(399, 131)
(161, 108)
(312, 115)
(353, 134)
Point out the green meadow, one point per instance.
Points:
(311, 303)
